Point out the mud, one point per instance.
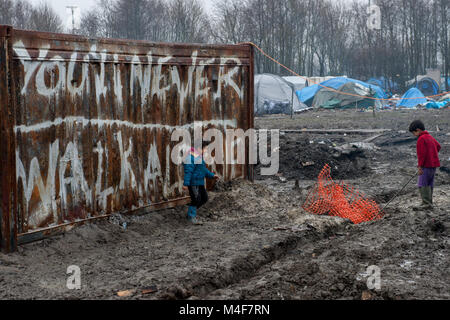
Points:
(256, 241)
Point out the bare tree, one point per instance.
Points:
(228, 21)
(187, 22)
(155, 20)
(22, 15)
(44, 18)
(16, 13)
(91, 24)
(6, 12)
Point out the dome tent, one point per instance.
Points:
(408, 100)
(427, 86)
(274, 94)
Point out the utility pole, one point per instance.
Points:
(72, 8)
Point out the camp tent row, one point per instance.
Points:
(274, 94)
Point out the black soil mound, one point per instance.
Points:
(303, 158)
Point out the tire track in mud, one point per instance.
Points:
(247, 266)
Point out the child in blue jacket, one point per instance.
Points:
(195, 172)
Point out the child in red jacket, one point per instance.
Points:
(428, 160)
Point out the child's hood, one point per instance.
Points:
(194, 157)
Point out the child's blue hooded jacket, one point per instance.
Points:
(195, 172)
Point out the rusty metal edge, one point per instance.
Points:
(13, 108)
(8, 216)
(158, 206)
(251, 118)
(41, 234)
(128, 42)
(52, 231)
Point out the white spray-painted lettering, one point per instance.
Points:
(144, 78)
(126, 173)
(47, 191)
(79, 187)
(149, 77)
(153, 171)
(102, 195)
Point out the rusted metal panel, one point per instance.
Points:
(8, 225)
(94, 118)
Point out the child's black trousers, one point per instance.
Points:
(199, 196)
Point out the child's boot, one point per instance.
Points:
(192, 212)
(192, 215)
(427, 198)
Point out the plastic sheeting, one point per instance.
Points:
(438, 105)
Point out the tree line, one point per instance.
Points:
(22, 15)
(312, 37)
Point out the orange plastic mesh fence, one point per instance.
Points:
(341, 200)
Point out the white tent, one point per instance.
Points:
(298, 82)
(274, 94)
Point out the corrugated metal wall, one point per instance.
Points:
(92, 123)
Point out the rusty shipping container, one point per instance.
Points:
(86, 124)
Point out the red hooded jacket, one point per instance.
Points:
(427, 151)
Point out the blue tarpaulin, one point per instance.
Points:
(408, 100)
(306, 95)
(438, 105)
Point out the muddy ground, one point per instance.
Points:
(257, 242)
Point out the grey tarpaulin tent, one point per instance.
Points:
(274, 94)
